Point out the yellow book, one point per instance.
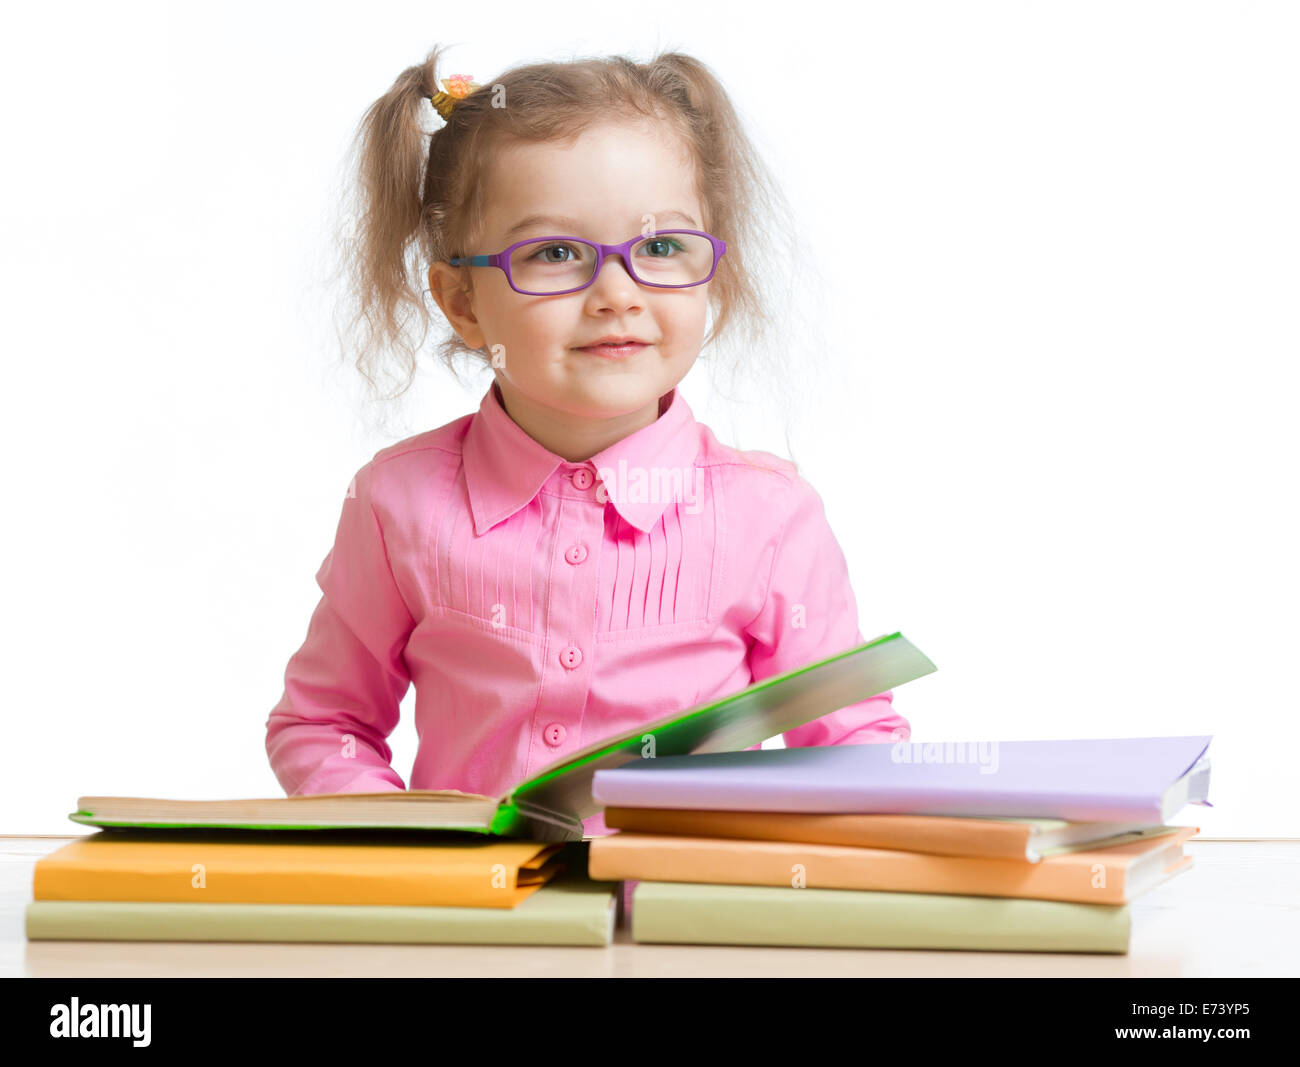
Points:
(297, 867)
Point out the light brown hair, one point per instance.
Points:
(420, 196)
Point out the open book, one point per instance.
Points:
(551, 805)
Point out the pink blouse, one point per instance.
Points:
(539, 605)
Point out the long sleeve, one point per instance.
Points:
(344, 685)
(810, 613)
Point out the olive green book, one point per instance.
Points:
(701, 913)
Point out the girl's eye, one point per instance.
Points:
(545, 253)
(661, 247)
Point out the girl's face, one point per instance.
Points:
(600, 187)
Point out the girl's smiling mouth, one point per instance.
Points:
(615, 348)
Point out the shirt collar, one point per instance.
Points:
(505, 468)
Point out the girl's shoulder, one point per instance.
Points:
(447, 438)
(749, 462)
(410, 469)
(759, 486)
(767, 487)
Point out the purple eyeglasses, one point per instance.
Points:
(668, 259)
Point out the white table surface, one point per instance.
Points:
(1235, 913)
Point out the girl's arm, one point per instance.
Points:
(343, 687)
(810, 613)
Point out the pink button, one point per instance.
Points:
(576, 553)
(583, 478)
(571, 657)
(554, 734)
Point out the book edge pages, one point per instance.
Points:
(316, 811)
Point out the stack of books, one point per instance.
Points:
(403, 887)
(420, 866)
(1026, 846)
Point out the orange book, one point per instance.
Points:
(947, 835)
(307, 867)
(1112, 876)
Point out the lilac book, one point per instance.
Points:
(1124, 779)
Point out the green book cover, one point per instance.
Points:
(551, 805)
(710, 914)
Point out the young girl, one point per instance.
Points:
(579, 556)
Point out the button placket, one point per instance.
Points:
(571, 621)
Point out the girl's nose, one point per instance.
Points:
(613, 283)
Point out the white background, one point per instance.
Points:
(1055, 426)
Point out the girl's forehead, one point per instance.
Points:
(603, 138)
(611, 175)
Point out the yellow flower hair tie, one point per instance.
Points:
(455, 88)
